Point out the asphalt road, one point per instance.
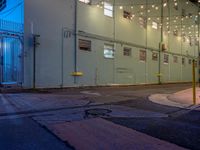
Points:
(182, 128)
(25, 134)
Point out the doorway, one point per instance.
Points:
(11, 60)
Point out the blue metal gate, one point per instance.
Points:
(11, 53)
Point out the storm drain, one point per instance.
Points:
(97, 112)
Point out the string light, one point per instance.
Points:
(165, 4)
(169, 22)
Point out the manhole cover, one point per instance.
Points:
(97, 112)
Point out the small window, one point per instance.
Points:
(166, 58)
(127, 15)
(108, 51)
(176, 6)
(85, 1)
(189, 61)
(143, 55)
(84, 45)
(108, 9)
(127, 51)
(143, 22)
(154, 56)
(175, 58)
(183, 61)
(175, 32)
(154, 25)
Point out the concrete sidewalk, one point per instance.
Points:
(99, 134)
(181, 99)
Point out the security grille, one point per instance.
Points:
(2, 4)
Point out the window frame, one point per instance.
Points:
(154, 25)
(86, 45)
(154, 58)
(110, 49)
(127, 15)
(175, 59)
(128, 52)
(85, 1)
(166, 59)
(183, 61)
(143, 55)
(108, 7)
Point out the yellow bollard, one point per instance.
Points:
(193, 82)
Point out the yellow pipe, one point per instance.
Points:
(194, 82)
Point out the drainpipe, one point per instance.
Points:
(35, 44)
(160, 47)
(75, 40)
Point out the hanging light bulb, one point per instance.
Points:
(120, 7)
